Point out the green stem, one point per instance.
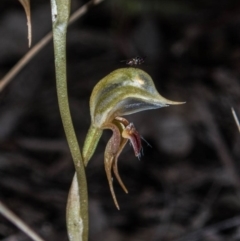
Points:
(60, 16)
(90, 143)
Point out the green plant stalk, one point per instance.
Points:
(77, 210)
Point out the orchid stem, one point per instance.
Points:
(77, 224)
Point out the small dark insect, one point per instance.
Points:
(134, 61)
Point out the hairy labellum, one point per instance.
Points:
(131, 133)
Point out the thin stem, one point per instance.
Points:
(60, 16)
(7, 213)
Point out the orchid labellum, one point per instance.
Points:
(123, 92)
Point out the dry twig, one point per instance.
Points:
(18, 222)
(236, 119)
(43, 42)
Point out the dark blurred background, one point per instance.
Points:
(187, 185)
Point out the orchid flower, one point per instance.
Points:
(123, 92)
